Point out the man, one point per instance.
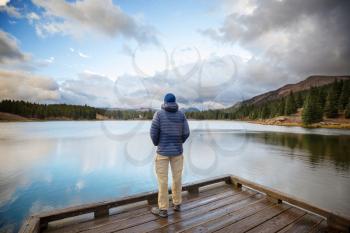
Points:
(169, 131)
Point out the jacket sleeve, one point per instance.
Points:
(155, 129)
(185, 130)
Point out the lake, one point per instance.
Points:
(49, 165)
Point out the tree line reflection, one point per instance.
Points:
(320, 148)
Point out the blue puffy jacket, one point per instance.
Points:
(169, 130)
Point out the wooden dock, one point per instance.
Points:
(222, 204)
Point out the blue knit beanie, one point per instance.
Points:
(169, 98)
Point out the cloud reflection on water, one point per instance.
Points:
(47, 165)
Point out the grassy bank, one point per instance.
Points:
(9, 117)
(4, 116)
(331, 123)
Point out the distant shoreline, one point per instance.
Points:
(278, 121)
(9, 117)
(295, 121)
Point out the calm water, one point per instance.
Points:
(48, 165)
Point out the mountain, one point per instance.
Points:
(141, 109)
(312, 81)
(190, 109)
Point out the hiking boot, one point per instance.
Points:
(158, 212)
(177, 208)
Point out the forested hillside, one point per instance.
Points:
(64, 111)
(329, 101)
(304, 85)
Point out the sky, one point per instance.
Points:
(129, 54)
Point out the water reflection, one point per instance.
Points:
(319, 148)
(18, 161)
(48, 165)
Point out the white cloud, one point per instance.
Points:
(4, 2)
(32, 16)
(89, 88)
(239, 7)
(82, 55)
(10, 10)
(50, 60)
(82, 18)
(289, 40)
(79, 185)
(11, 57)
(9, 50)
(211, 83)
(20, 85)
(71, 49)
(206, 86)
(33, 65)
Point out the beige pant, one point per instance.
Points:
(162, 167)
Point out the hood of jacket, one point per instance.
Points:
(170, 107)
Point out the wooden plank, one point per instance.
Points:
(89, 208)
(228, 219)
(256, 219)
(337, 223)
(101, 207)
(280, 221)
(192, 202)
(182, 220)
(31, 225)
(321, 228)
(80, 226)
(205, 182)
(205, 196)
(143, 225)
(333, 220)
(303, 225)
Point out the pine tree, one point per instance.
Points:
(312, 112)
(338, 88)
(307, 114)
(345, 95)
(290, 106)
(281, 107)
(331, 108)
(265, 112)
(253, 115)
(299, 100)
(274, 108)
(322, 95)
(347, 109)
